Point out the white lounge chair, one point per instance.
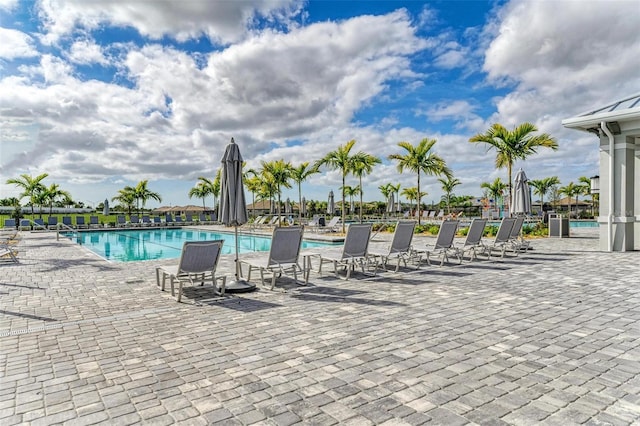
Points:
(444, 243)
(282, 258)
(502, 241)
(473, 241)
(355, 251)
(332, 226)
(400, 247)
(8, 253)
(198, 263)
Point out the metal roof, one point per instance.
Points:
(626, 109)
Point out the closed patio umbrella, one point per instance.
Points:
(331, 205)
(303, 207)
(233, 207)
(521, 203)
(105, 209)
(391, 203)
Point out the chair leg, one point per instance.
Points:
(179, 290)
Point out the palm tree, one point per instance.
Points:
(447, 186)
(51, 194)
(412, 194)
(31, 187)
(201, 190)
(126, 197)
(216, 187)
(278, 173)
(418, 159)
(144, 194)
(542, 186)
(571, 190)
(350, 191)
(339, 160)
(512, 145)
(300, 174)
(253, 185)
(396, 189)
(362, 164)
(586, 185)
(495, 188)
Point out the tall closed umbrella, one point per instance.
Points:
(521, 203)
(391, 203)
(233, 207)
(331, 205)
(303, 207)
(105, 208)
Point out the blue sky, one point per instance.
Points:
(104, 94)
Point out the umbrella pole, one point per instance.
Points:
(237, 254)
(239, 285)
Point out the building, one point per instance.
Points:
(617, 127)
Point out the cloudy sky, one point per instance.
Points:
(103, 94)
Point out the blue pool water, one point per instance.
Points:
(583, 224)
(136, 245)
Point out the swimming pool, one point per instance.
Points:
(583, 224)
(153, 244)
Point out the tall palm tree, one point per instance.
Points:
(571, 190)
(127, 197)
(201, 190)
(362, 164)
(585, 182)
(542, 186)
(418, 159)
(447, 186)
(253, 184)
(396, 189)
(30, 187)
(412, 194)
(300, 174)
(52, 193)
(495, 188)
(512, 145)
(279, 173)
(339, 160)
(216, 187)
(350, 191)
(143, 193)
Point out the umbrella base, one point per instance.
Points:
(239, 286)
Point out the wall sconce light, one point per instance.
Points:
(595, 184)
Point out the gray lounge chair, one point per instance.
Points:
(121, 221)
(473, 242)
(502, 241)
(8, 253)
(355, 251)
(282, 258)
(515, 236)
(25, 225)
(400, 247)
(10, 224)
(135, 220)
(444, 243)
(198, 263)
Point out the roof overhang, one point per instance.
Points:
(591, 120)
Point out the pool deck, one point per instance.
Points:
(549, 337)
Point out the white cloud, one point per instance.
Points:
(221, 21)
(86, 52)
(16, 44)
(8, 4)
(178, 116)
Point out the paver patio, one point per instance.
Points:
(549, 337)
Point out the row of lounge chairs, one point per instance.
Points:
(199, 259)
(121, 221)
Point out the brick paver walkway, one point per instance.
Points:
(549, 337)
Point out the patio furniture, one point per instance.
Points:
(473, 242)
(400, 247)
(282, 258)
(502, 241)
(355, 251)
(198, 263)
(444, 243)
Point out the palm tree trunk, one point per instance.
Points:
(418, 199)
(360, 188)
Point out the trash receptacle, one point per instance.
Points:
(321, 221)
(559, 227)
